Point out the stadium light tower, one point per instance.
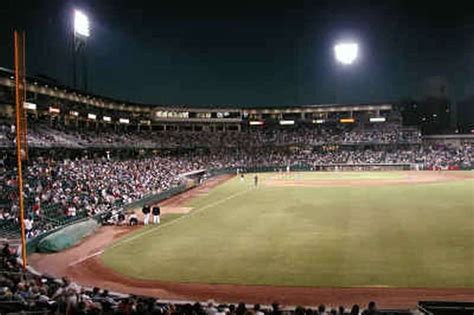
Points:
(346, 53)
(81, 24)
(81, 34)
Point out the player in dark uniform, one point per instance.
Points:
(255, 180)
(146, 214)
(156, 214)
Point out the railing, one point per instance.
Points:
(446, 308)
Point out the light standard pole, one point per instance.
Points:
(346, 54)
(81, 33)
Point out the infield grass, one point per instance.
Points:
(417, 235)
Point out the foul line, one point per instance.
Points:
(179, 219)
(85, 258)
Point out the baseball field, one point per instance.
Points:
(351, 229)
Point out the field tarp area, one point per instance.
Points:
(67, 237)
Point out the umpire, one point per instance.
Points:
(156, 214)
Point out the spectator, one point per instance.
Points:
(6, 252)
(28, 227)
(371, 309)
(256, 310)
(241, 309)
(211, 310)
(355, 309)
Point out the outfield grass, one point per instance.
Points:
(395, 235)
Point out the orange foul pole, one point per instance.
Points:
(21, 142)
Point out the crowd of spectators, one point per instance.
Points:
(39, 135)
(42, 135)
(41, 294)
(426, 157)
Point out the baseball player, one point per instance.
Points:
(156, 214)
(255, 180)
(146, 214)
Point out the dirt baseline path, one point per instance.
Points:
(82, 264)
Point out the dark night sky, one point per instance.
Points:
(251, 52)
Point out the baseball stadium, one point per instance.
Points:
(109, 206)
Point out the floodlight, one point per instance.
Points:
(347, 120)
(346, 53)
(377, 119)
(30, 106)
(54, 110)
(287, 122)
(81, 24)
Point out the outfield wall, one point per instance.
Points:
(320, 167)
